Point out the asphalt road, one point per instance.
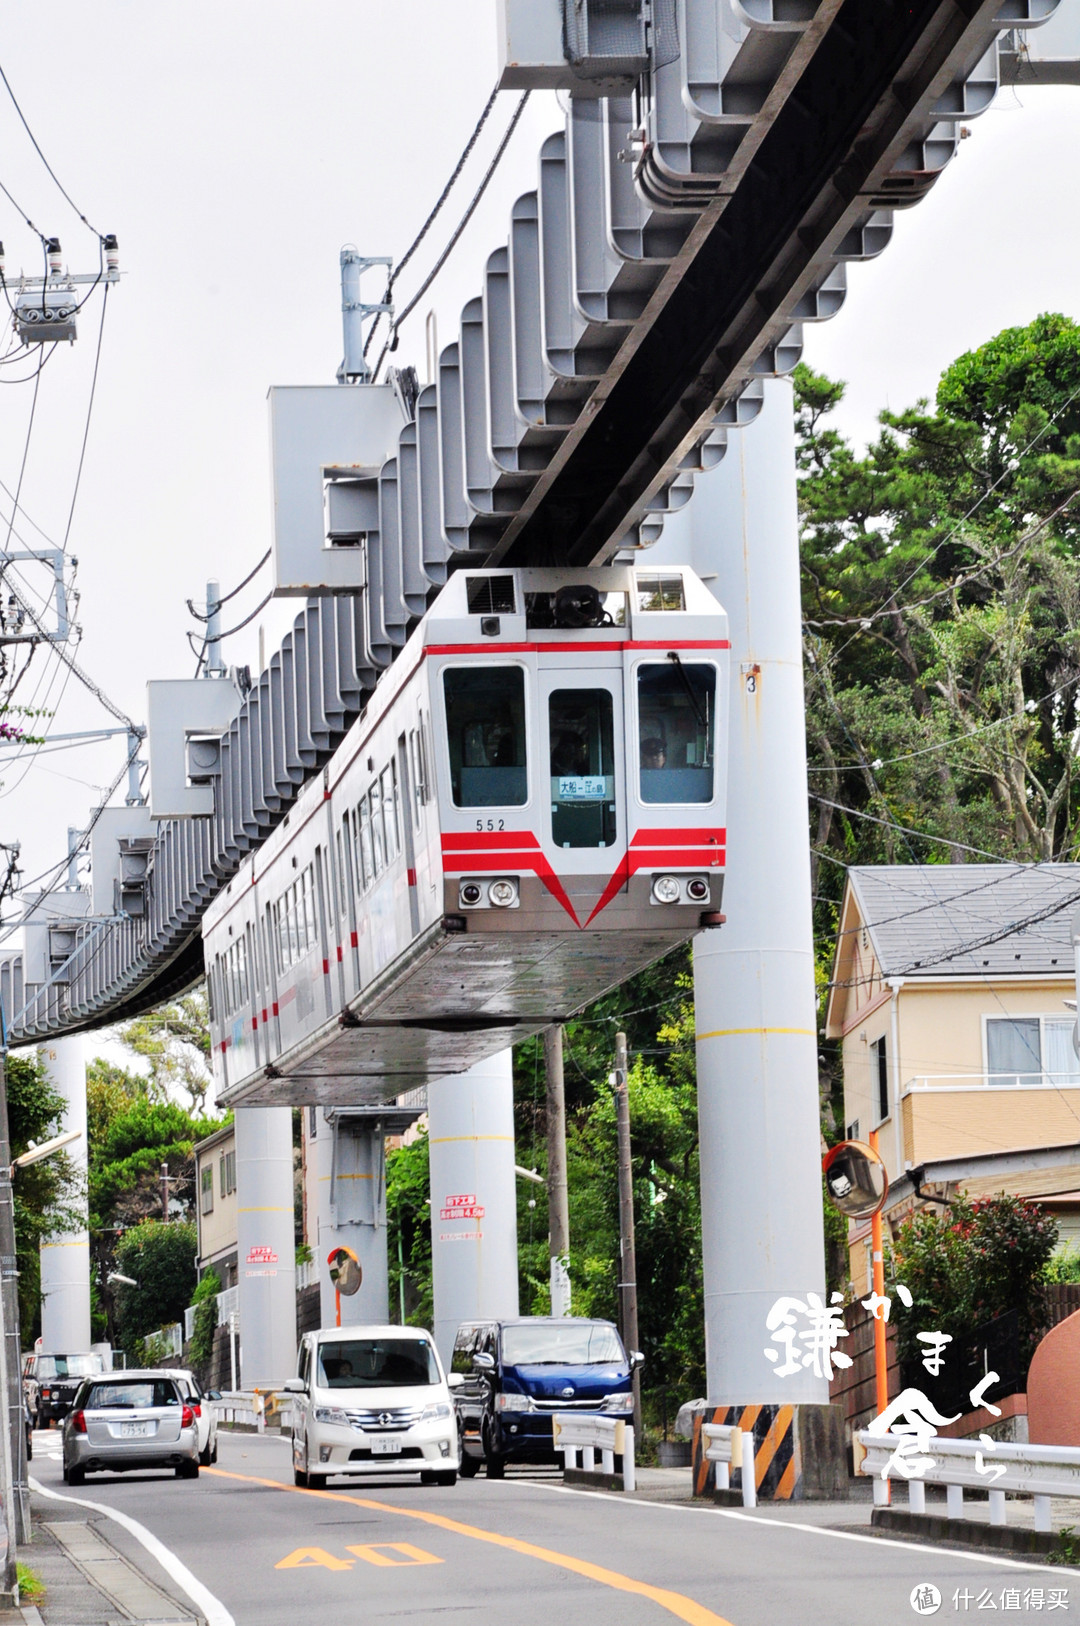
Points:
(524, 1550)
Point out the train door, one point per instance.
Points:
(581, 730)
(324, 901)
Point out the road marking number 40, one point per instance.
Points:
(388, 1554)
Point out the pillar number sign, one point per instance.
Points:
(461, 1206)
(263, 1259)
(465, 1207)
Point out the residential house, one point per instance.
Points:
(951, 995)
(215, 1189)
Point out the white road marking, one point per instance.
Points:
(790, 1524)
(213, 1610)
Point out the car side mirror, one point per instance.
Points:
(213, 1394)
(483, 1362)
(294, 1386)
(454, 1380)
(636, 1359)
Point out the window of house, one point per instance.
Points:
(879, 1076)
(230, 1173)
(1031, 1050)
(852, 1130)
(206, 1182)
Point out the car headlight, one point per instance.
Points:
(332, 1414)
(622, 1404)
(666, 889)
(513, 1403)
(438, 1408)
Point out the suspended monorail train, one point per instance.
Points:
(530, 810)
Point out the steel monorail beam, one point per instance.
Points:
(825, 160)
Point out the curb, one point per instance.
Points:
(966, 1532)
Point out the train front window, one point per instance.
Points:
(676, 732)
(485, 728)
(582, 733)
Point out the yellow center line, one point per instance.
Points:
(695, 1614)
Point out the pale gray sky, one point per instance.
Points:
(233, 148)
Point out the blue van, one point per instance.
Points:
(514, 1374)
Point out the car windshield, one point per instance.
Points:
(377, 1363)
(127, 1396)
(567, 1343)
(76, 1366)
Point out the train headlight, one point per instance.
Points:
(470, 892)
(666, 889)
(697, 889)
(503, 894)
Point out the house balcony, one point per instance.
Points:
(959, 1114)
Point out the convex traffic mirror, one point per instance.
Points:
(345, 1271)
(856, 1180)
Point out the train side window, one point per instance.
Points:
(676, 732)
(388, 780)
(378, 832)
(582, 733)
(365, 868)
(485, 726)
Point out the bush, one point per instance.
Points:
(204, 1299)
(160, 1258)
(971, 1263)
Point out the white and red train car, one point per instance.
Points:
(530, 810)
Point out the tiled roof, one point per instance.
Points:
(948, 920)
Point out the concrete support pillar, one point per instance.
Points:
(762, 1233)
(266, 1252)
(351, 1173)
(65, 1260)
(473, 1197)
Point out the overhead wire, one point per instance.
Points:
(89, 415)
(456, 235)
(34, 141)
(433, 215)
(225, 597)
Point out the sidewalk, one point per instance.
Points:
(94, 1574)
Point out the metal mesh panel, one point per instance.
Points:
(665, 33)
(605, 36)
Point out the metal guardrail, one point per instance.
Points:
(253, 1408)
(1039, 1471)
(611, 1436)
(731, 1447)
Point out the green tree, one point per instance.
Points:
(970, 1264)
(131, 1133)
(160, 1259)
(175, 1041)
(408, 1219)
(47, 1195)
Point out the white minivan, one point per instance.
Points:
(371, 1401)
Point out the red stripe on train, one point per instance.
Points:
(585, 647)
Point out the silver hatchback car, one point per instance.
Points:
(130, 1420)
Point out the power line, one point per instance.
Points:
(44, 160)
(904, 829)
(430, 221)
(225, 597)
(462, 223)
(89, 413)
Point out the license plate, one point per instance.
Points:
(390, 1447)
(134, 1431)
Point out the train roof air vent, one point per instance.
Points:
(490, 595)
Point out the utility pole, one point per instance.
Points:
(166, 1182)
(627, 1254)
(558, 1200)
(14, 1491)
